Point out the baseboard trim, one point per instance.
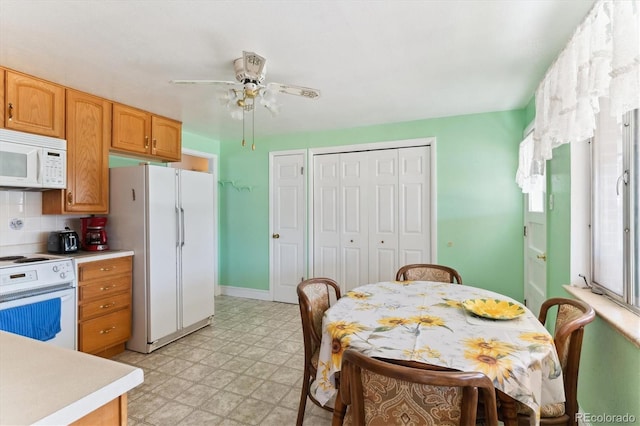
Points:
(247, 293)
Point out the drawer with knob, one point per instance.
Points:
(100, 333)
(104, 306)
(104, 268)
(104, 288)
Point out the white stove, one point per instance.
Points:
(26, 284)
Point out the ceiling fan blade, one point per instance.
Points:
(306, 92)
(253, 65)
(211, 82)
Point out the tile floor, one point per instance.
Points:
(244, 369)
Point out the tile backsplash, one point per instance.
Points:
(23, 227)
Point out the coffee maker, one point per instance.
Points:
(94, 234)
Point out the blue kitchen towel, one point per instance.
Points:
(40, 320)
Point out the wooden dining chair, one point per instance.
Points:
(572, 315)
(381, 392)
(428, 272)
(315, 296)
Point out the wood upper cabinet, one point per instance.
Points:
(166, 138)
(2, 79)
(33, 105)
(137, 132)
(88, 138)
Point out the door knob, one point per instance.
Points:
(542, 257)
(276, 236)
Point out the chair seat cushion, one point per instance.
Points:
(548, 410)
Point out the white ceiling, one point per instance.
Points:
(374, 61)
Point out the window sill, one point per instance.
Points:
(623, 320)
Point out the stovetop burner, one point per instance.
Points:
(11, 258)
(32, 259)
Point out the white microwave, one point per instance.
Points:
(32, 162)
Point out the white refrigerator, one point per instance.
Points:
(166, 216)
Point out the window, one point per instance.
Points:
(615, 199)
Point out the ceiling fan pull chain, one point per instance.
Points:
(253, 129)
(243, 142)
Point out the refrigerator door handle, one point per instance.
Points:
(179, 237)
(182, 225)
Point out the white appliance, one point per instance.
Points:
(28, 280)
(165, 216)
(32, 162)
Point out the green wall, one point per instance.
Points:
(479, 206)
(610, 365)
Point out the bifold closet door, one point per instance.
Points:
(414, 205)
(383, 214)
(371, 214)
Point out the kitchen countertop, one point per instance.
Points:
(48, 385)
(82, 256)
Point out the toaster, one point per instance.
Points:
(65, 241)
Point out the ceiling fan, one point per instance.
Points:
(249, 88)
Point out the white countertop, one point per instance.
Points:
(44, 384)
(82, 256)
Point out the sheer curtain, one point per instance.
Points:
(602, 59)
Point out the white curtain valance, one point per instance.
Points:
(602, 59)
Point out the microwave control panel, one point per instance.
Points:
(54, 169)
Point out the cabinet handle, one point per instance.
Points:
(10, 111)
(107, 269)
(382, 242)
(108, 305)
(275, 236)
(69, 198)
(146, 142)
(155, 145)
(107, 288)
(108, 330)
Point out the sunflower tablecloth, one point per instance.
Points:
(425, 321)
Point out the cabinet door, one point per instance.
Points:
(34, 105)
(88, 137)
(2, 102)
(166, 137)
(131, 130)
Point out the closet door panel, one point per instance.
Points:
(354, 215)
(414, 205)
(326, 209)
(383, 215)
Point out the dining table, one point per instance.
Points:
(440, 324)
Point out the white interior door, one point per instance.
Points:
(197, 246)
(383, 215)
(287, 225)
(535, 251)
(354, 235)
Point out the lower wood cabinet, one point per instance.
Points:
(104, 305)
(113, 413)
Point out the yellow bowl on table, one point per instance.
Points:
(493, 308)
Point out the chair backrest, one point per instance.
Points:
(572, 315)
(315, 296)
(381, 393)
(428, 272)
